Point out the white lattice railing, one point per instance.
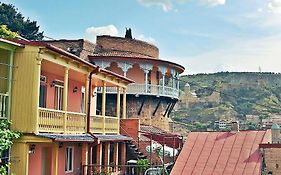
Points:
(3, 105)
(142, 89)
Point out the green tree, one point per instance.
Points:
(6, 140)
(14, 20)
(6, 33)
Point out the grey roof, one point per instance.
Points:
(83, 137)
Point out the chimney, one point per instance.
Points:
(235, 127)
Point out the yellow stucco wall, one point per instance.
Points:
(25, 90)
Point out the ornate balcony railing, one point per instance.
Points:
(3, 105)
(51, 120)
(143, 89)
(100, 124)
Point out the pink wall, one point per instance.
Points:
(136, 74)
(74, 99)
(77, 168)
(35, 160)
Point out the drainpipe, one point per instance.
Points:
(97, 70)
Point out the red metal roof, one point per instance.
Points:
(221, 153)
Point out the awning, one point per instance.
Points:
(84, 137)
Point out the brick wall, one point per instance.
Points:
(130, 127)
(272, 160)
(126, 44)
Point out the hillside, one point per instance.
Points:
(227, 95)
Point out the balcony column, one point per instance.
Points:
(115, 156)
(118, 108)
(64, 102)
(86, 98)
(9, 88)
(163, 70)
(103, 104)
(124, 112)
(146, 80)
(125, 67)
(106, 156)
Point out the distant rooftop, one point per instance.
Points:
(221, 153)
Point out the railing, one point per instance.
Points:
(3, 105)
(149, 89)
(51, 120)
(56, 121)
(100, 124)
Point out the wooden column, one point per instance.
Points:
(124, 113)
(65, 97)
(107, 156)
(55, 159)
(115, 156)
(84, 158)
(163, 83)
(118, 108)
(10, 80)
(103, 104)
(99, 156)
(87, 81)
(123, 155)
(146, 80)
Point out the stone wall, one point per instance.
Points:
(108, 43)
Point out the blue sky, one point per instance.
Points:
(202, 35)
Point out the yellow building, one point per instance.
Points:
(54, 106)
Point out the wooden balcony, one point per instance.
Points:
(100, 124)
(149, 89)
(3, 105)
(56, 121)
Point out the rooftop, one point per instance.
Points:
(221, 153)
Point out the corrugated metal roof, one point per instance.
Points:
(151, 129)
(83, 137)
(221, 153)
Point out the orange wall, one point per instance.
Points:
(77, 159)
(35, 160)
(74, 99)
(136, 74)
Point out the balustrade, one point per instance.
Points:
(3, 105)
(140, 89)
(51, 120)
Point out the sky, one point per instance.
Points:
(204, 36)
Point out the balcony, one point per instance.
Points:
(143, 89)
(56, 121)
(3, 105)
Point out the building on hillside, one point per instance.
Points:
(254, 119)
(222, 153)
(7, 51)
(54, 106)
(156, 89)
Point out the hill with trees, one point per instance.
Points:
(239, 94)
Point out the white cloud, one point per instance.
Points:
(274, 6)
(213, 2)
(92, 32)
(166, 5)
(147, 39)
(243, 55)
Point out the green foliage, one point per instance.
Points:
(241, 93)
(142, 165)
(6, 140)
(14, 20)
(6, 33)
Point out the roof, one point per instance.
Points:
(70, 55)
(275, 126)
(221, 153)
(151, 129)
(134, 57)
(83, 137)
(10, 42)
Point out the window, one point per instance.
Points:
(58, 97)
(43, 90)
(83, 99)
(69, 156)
